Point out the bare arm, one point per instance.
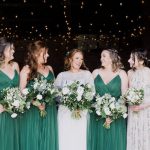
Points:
(24, 77)
(124, 81)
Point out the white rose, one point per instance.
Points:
(25, 91)
(125, 115)
(80, 90)
(14, 115)
(16, 103)
(39, 97)
(79, 98)
(65, 90)
(28, 105)
(112, 106)
(35, 85)
(98, 113)
(107, 111)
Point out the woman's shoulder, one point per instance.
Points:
(15, 65)
(147, 69)
(122, 73)
(25, 69)
(86, 71)
(49, 68)
(61, 74)
(96, 72)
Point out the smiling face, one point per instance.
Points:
(9, 52)
(76, 61)
(105, 59)
(43, 55)
(135, 62)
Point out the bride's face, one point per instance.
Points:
(76, 61)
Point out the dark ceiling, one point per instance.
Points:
(52, 17)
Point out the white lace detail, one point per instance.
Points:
(138, 133)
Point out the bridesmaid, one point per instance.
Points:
(38, 133)
(111, 79)
(72, 132)
(138, 131)
(9, 77)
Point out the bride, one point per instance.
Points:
(72, 132)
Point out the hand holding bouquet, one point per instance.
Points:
(41, 93)
(134, 96)
(13, 101)
(77, 97)
(110, 109)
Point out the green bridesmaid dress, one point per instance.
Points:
(9, 130)
(98, 137)
(38, 133)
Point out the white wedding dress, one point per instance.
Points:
(72, 132)
(138, 132)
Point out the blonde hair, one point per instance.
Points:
(116, 59)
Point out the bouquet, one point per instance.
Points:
(13, 101)
(41, 93)
(134, 96)
(107, 107)
(77, 97)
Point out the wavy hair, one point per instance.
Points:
(69, 55)
(116, 59)
(3, 45)
(141, 55)
(34, 50)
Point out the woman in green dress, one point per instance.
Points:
(9, 77)
(36, 132)
(112, 80)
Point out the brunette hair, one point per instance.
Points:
(3, 45)
(34, 50)
(69, 55)
(141, 55)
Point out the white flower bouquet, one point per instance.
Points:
(41, 93)
(134, 96)
(13, 101)
(107, 107)
(77, 97)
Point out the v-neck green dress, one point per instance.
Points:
(8, 126)
(38, 133)
(99, 138)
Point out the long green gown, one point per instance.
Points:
(8, 126)
(38, 133)
(99, 138)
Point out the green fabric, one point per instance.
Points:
(9, 133)
(37, 133)
(99, 138)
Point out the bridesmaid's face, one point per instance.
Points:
(105, 59)
(131, 61)
(76, 60)
(42, 58)
(9, 52)
(135, 63)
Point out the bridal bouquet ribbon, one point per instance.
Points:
(77, 97)
(107, 107)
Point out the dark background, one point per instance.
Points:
(91, 25)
